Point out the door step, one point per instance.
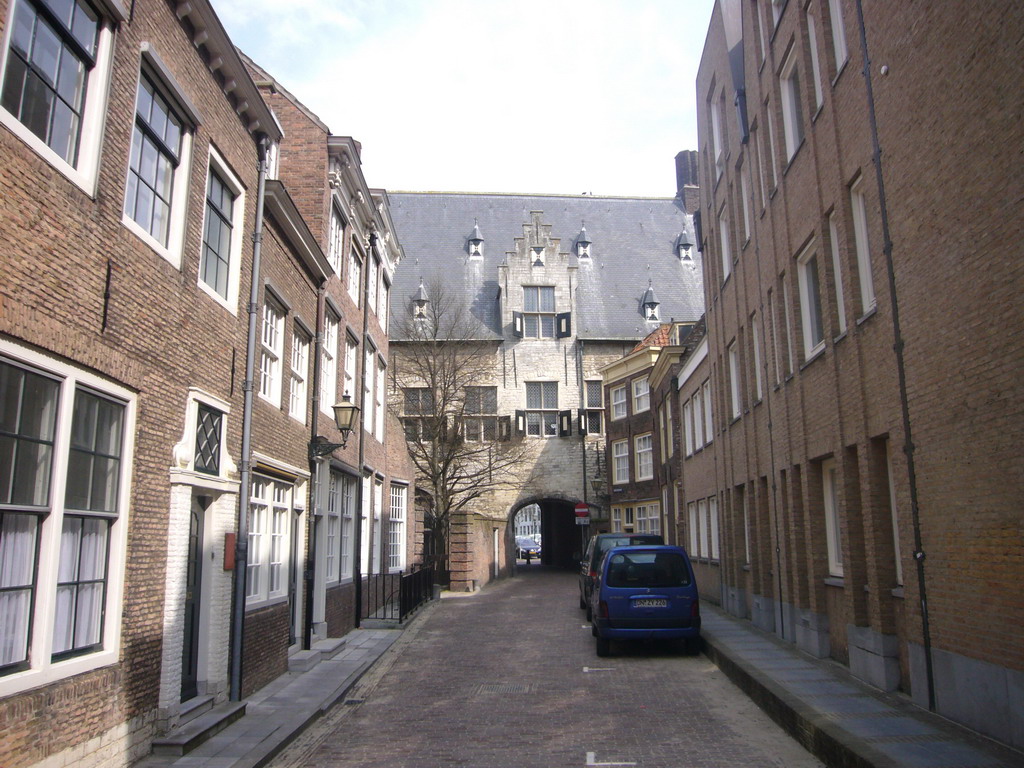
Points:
(187, 736)
(194, 707)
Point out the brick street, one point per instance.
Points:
(509, 677)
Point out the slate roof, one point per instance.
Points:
(633, 247)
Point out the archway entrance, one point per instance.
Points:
(560, 536)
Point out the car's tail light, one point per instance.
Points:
(593, 574)
(602, 609)
(695, 610)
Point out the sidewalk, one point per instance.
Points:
(841, 720)
(277, 713)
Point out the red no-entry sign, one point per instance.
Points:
(582, 510)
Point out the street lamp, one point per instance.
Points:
(596, 483)
(344, 417)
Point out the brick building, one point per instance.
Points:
(161, 379)
(865, 391)
(553, 288)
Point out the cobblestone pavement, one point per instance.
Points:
(509, 677)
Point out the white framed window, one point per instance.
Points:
(67, 442)
(709, 426)
(221, 258)
(364, 526)
(734, 381)
(271, 352)
(373, 279)
(662, 437)
(378, 426)
(336, 242)
(643, 445)
(648, 517)
(378, 542)
(384, 315)
(329, 365)
(618, 398)
(692, 524)
(792, 105)
(355, 275)
(760, 29)
(620, 462)
(758, 147)
(703, 548)
(348, 510)
(698, 420)
(538, 312)
(417, 410)
(745, 195)
(351, 363)
(480, 414)
(755, 342)
(158, 167)
(714, 551)
(542, 408)
(56, 74)
(370, 366)
(789, 326)
(894, 512)
(723, 238)
(810, 301)
(745, 510)
(839, 50)
(641, 395)
(270, 512)
(833, 537)
(718, 143)
(771, 144)
(837, 273)
(671, 449)
(396, 528)
(332, 543)
(858, 206)
(812, 41)
(298, 389)
(687, 429)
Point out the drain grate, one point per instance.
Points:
(504, 688)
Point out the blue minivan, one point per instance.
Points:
(646, 593)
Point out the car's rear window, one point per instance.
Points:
(626, 541)
(648, 569)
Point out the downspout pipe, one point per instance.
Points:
(908, 445)
(245, 465)
(309, 571)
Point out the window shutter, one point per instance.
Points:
(564, 325)
(517, 324)
(520, 422)
(504, 428)
(583, 421)
(564, 423)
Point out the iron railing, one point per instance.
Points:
(394, 596)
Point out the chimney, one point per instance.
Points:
(686, 170)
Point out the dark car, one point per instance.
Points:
(646, 593)
(600, 544)
(527, 546)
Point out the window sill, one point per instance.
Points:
(842, 68)
(816, 353)
(839, 338)
(817, 112)
(867, 315)
(746, 567)
(835, 581)
(794, 156)
(898, 593)
(735, 419)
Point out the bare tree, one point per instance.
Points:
(444, 361)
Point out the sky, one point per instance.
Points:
(520, 96)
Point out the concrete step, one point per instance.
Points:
(190, 735)
(194, 707)
(329, 647)
(303, 661)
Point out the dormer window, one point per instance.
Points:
(582, 245)
(650, 305)
(476, 242)
(537, 256)
(684, 248)
(419, 303)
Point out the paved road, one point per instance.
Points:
(508, 677)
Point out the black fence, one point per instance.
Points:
(394, 596)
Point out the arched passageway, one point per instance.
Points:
(561, 539)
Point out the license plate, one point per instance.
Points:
(650, 602)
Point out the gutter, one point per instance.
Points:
(245, 465)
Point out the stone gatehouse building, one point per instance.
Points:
(553, 288)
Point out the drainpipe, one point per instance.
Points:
(908, 445)
(245, 465)
(309, 572)
(358, 538)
